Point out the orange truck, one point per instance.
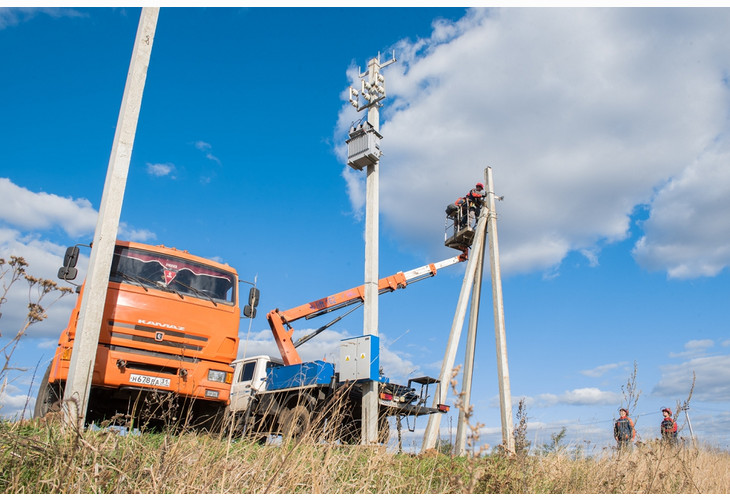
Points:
(168, 337)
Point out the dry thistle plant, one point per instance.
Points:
(13, 271)
(522, 445)
(630, 392)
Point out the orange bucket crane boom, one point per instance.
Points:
(280, 321)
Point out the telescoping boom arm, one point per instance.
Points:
(279, 321)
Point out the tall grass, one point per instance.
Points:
(39, 457)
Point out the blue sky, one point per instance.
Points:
(606, 129)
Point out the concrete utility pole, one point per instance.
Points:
(373, 91)
(486, 226)
(434, 420)
(370, 306)
(471, 339)
(83, 355)
(505, 395)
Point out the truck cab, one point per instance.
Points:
(249, 375)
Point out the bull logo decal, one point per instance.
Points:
(169, 276)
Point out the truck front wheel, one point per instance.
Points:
(296, 423)
(49, 397)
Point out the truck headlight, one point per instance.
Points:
(217, 376)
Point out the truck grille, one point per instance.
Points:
(148, 340)
(161, 355)
(156, 336)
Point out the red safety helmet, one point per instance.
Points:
(667, 410)
(480, 185)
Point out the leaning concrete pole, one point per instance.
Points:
(83, 355)
(505, 395)
(434, 420)
(471, 339)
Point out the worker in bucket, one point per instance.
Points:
(623, 430)
(475, 199)
(460, 206)
(668, 427)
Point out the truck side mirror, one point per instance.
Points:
(249, 311)
(253, 297)
(68, 272)
(71, 257)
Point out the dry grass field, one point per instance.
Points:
(38, 457)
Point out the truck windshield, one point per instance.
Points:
(168, 273)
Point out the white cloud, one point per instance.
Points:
(587, 396)
(15, 405)
(34, 211)
(213, 158)
(206, 148)
(684, 234)
(599, 371)
(14, 16)
(43, 258)
(712, 379)
(694, 348)
(29, 211)
(130, 234)
(591, 256)
(583, 117)
(47, 345)
(161, 169)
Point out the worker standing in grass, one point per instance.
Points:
(623, 430)
(668, 427)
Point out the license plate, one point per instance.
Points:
(147, 380)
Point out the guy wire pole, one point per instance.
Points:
(83, 355)
(471, 339)
(505, 395)
(434, 420)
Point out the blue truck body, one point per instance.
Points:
(301, 375)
